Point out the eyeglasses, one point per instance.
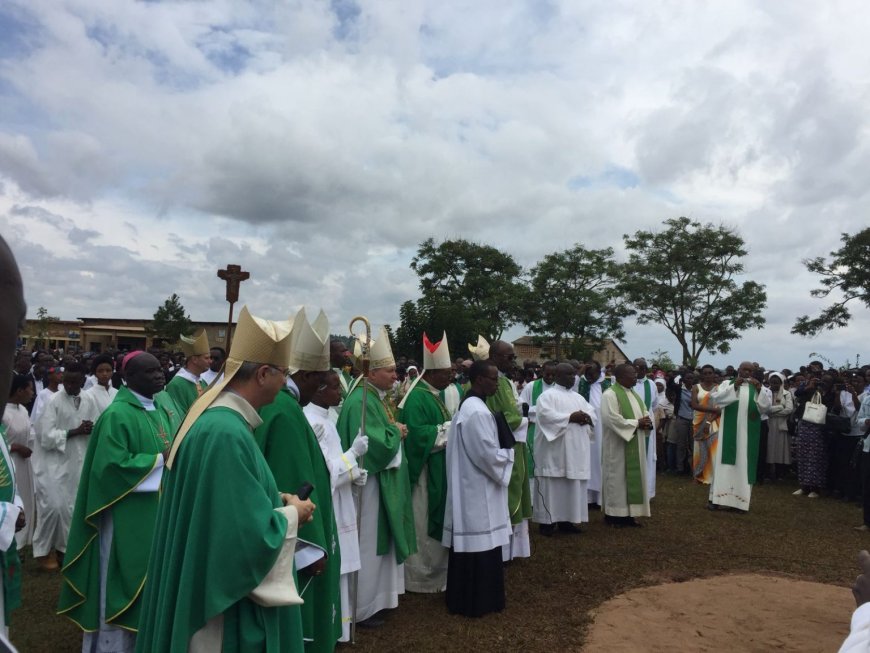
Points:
(285, 371)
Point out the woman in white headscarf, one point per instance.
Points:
(781, 406)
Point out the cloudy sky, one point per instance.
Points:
(144, 144)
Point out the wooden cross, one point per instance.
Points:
(233, 276)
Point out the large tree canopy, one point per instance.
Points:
(849, 273)
(467, 289)
(684, 278)
(574, 294)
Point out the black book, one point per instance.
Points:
(506, 439)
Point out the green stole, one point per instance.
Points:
(519, 493)
(647, 394)
(10, 563)
(423, 413)
(537, 389)
(633, 478)
(584, 387)
(728, 440)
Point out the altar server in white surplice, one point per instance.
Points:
(344, 471)
(476, 519)
(562, 455)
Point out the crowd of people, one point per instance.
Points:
(280, 495)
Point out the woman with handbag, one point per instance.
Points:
(812, 448)
(782, 405)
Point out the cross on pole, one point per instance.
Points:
(233, 276)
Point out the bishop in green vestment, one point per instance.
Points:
(220, 575)
(290, 448)
(186, 386)
(387, 520)
(428, 421)
(506, 401)
(116, 505)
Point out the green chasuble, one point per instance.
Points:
(124, 448)
(519, 494)
(291, 449)
(216, 537)
(395, 514)
(728, 435)
(10, 562)
(184, 392)
(423, 413)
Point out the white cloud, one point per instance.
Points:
(143, 145)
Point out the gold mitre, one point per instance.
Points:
(381, 352)
(197, 346)
(480, 351)
(255, 340)
(309, 343)
(436, 356)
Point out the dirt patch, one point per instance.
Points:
(747, 612)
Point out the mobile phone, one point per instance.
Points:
(304, 491)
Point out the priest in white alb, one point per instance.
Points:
(562, 455)
(736, 460)
(624, 424)
(591, 384)
(649, 394)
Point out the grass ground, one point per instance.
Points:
(549, 595)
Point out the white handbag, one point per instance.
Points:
(815, 411)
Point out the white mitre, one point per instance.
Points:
(197, 346)
(436, 356)
(255, 341)
(480, 351)
(309, 343)
(381, 352)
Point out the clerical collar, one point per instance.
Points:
(184, 373)
(147, 402)
(237, 403)
(293, 388)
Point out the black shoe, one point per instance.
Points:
(547, 530)
(594, 506)
(568, 527)
(372, 622)
(712, 506)
(633, 523)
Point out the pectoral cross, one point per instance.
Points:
(233, 276)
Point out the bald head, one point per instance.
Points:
(745, 370)
(11, 317)
(502, 354)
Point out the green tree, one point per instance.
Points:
(662, 359)
(408, 342)
(573, 294)
(684, 279)
(44, 322)
(848, 273)
(170, 321)
(467, 289)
